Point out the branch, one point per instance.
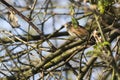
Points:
(10, 7)
(87, 67)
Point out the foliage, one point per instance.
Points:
(34, 45)
(102, 4)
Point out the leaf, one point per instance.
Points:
(13, 19)
(105, 43)
(98, 48)
(101, 6)
(72, 11)
(75, 22)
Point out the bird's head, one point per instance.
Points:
(68, 25)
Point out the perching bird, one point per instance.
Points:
(76, 30)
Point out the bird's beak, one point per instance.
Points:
(65, 25)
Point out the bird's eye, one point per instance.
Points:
(67, 24)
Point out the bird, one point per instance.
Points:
(76, 30)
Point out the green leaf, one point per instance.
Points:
(75, 22)
(72, 11)
(102, 4)
(98, 48)
(105, 43)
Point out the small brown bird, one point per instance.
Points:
(76, 30)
